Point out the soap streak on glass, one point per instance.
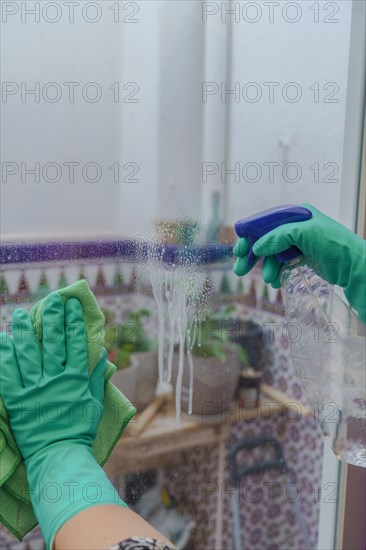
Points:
(157, 284)
(181, 297)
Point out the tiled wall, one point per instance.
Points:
(268, 517)
(268, 522)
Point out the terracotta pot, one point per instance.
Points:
(166, 231)
(138, 381)
(214, 383)
(227, 235)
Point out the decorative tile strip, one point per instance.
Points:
(93, 251)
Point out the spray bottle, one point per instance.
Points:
(327, 341)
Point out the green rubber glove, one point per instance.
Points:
(54, 410)
(339, 254)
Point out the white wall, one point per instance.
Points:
(303, 132)
(181, 110)
(60, 132)
(168, 52)
(139, 59)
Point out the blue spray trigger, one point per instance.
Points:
(261, 223)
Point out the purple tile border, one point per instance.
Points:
(120, 250)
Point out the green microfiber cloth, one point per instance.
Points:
(16, 511)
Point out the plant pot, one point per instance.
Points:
(138, 381)
(214, 383)
(166, 231)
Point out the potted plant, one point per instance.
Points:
(217, 364)
(135, 357)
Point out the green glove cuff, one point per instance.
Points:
(355, 289)
(65, 479)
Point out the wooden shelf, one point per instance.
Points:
(161, 443)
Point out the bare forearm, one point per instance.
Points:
(100, 527)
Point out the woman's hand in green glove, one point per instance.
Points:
(48, 393)
(54, 409)
(338, 254)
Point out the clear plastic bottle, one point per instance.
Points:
(327, 346)
(327, 340)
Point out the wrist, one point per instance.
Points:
(355, 287)
(65, 479)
